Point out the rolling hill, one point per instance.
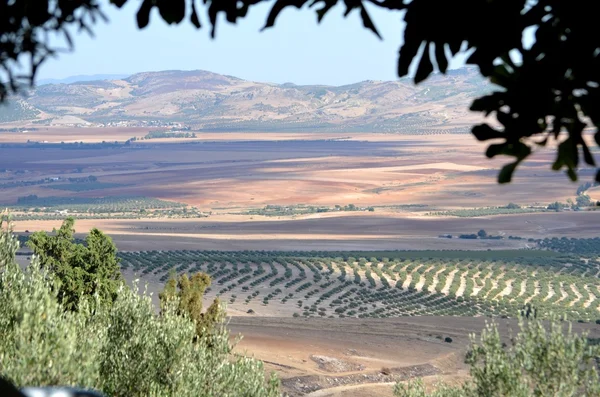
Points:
(214, 102)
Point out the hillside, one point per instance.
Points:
(210, 101)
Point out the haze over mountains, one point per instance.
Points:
(209, 101)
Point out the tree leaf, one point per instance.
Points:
(367, 22)
(425, 67)
(506, 173)
(194, 17)
(440, 57)
(587, 155)
(323, 10)
(488, 103)
(496, 149)
(278, 7)
(118, 3)
(143, 14)
(172, 11)
(484, 132)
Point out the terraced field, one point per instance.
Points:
(336, 284)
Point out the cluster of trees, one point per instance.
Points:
(488, 211)
(482, 234)
(70, 320)
(280, 210)
(166, 134)
(115, 207)
(581, 201)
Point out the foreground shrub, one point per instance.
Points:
(123, 349)
(544, 360)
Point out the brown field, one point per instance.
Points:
(404, 345)
(352, 231)
(229, 173)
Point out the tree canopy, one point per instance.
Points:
(80, 269)
(188, 292)
(546, 92)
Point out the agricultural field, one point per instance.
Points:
(83, 187)
(475, 212)
(386, 284)
(32, 207)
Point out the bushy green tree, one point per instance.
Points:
(80, 269)
(123, 349)
(545, 359)
(188, 293)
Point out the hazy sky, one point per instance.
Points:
(297, 49)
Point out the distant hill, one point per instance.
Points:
(83, 77)
(213, 102)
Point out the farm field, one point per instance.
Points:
(309, 169)
(386, 284)
(352, 231)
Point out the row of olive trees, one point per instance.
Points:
(60, 326)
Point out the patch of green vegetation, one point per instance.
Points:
(94, 204)
(47, 180)
(167, 134)
(488, 211)
(33, 207)
(290, 210)
(579, 246)
(85, 186)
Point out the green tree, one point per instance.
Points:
(544, 360)
(556, 206)
(123, 349)
(552, 87)
(80, 269)
(583, 200)
(482, 234)
(188, 294)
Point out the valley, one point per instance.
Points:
(350, 254)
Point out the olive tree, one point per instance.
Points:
(545, 359)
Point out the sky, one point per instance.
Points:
(298, 50)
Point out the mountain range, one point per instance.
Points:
(209, 101)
